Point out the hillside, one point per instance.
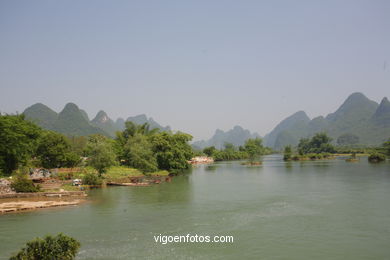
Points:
(74, 121)
(42, 115)
(142, 119)
(357, 116)
(105, 123)
(71, 121)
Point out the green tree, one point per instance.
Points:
(78, 144)
(91, 179)
(138, 154)
(376, 157)
(209, 151)
(287, 155)
(254, 148)
(304, 146)
(21, 183)
(319, 143)
(100, 153)
(55, 151)
(18, 142)
(49, 248)
(122, 138)
(386, 147)
(172, 151)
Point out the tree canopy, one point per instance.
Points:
(319, 143)
(55, 151)
(18, 141)
(58, 247)
(100, 153)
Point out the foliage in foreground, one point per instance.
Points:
(58, 247)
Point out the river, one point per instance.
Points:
(296, 210)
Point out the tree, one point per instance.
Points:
(100, 153)
(78, 144)
(131, 129)
(21, 183)
(376, 157)
(319, 143)
(172, 151)
(386, 147)
(18, 142)
(304, 146)
(138, 154)
(254, 148)
(209, 151)
(287, 155)
(55, 151)
(59, 247)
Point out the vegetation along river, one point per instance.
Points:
(281, 210)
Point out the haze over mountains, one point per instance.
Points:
(367, 121)
(236, 136)
(74, 121)
(359, 119)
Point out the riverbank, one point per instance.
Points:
(14, 202)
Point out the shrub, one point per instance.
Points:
(58, 247)
(21, 183)
(375, 157)
(91, 179)
(65, 176)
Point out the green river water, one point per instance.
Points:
(297, 210)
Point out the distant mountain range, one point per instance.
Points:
(236, 136)
(358, 120)
(359, 117)
(74, 121)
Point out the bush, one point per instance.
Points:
(23, 184)
(65, 175)
(375, 157)
(58, 247)
(91, 179)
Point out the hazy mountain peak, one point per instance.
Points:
(382, 113)
(142, 119)
(70, 107)
(300, 115)
(384, 106)
(236, 136)
(296, 123)
(357, 115)
(356, 103)
(42, 115)
(101, 117)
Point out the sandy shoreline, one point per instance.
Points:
(30, 201)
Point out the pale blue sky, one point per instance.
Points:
(195, 65)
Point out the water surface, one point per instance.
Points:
(297, 210)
